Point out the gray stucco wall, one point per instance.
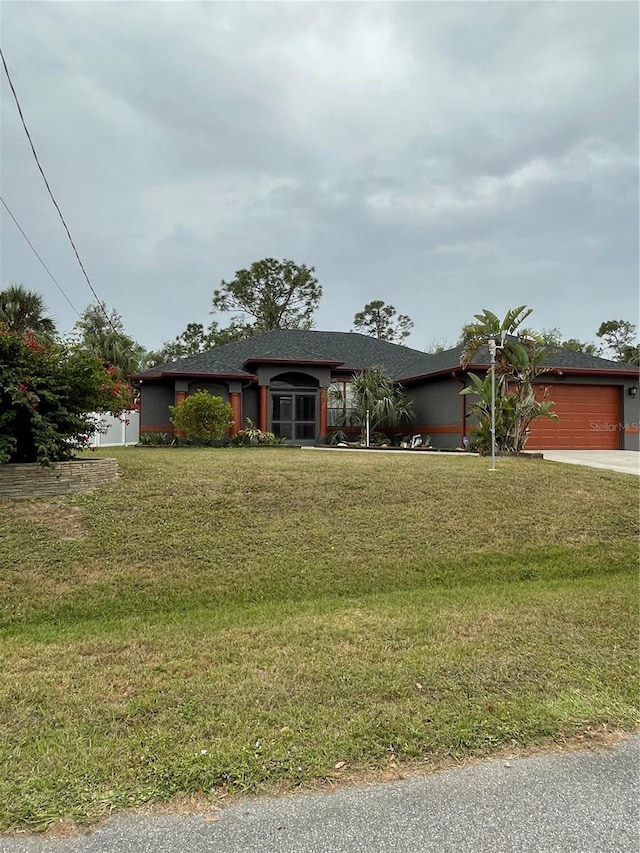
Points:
(216, 389)
(438, 405)
(250, 404)
(268, 371)
(155, 399)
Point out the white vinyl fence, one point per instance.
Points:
(117, 432)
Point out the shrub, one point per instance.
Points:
(252, 435)
(203, 417)
(156, 439)
(47, 391)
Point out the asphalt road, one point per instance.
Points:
(575, 802)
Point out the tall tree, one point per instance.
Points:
(438, 345)
(271, 294)
(102, 334)
(195, 339)
(23, 310)
(619, 336)
(554, 338)
(382, 321)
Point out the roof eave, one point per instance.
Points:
(590, 371)
(193, 374)
(446, 371)
(557, 370)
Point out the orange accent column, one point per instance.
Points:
(180, 396)
(323, 413)
(234, 397)
(263, 403)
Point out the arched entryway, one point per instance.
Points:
(293, 409)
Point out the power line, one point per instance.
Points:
(55, 203)
(33, 249)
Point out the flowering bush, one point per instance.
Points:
(47, 389)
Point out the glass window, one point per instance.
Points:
(339, 402)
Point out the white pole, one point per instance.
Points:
(368, 430)
(492, 350)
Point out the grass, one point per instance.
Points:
(246, 621)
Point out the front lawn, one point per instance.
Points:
(253, 620)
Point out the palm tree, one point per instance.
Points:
(102, 334)
(519, 359)
(374, 392)
(517, 341)
(514, 412)
(23, 310)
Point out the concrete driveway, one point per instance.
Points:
(622, 461)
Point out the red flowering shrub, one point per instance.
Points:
(47, 390)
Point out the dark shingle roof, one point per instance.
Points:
(582, 361)
(203, 363)
(449, 360)
(349, 351)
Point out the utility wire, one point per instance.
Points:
(33, 249)
(46, 182)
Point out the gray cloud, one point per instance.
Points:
(443, 157)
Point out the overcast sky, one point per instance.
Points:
(444, 157)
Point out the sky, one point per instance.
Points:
(443, 157)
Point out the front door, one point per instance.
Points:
(293, 415)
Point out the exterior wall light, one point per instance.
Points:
(633, 391)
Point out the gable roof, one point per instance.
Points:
(351, 352)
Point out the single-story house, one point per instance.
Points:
(280, 380)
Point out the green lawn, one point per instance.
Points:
(252, 620)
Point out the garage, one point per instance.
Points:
(590, 417)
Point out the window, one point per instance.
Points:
(339, 402)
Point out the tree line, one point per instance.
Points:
(270, 294)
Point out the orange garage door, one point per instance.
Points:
(589, 419)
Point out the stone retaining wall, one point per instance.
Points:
(30, 480)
